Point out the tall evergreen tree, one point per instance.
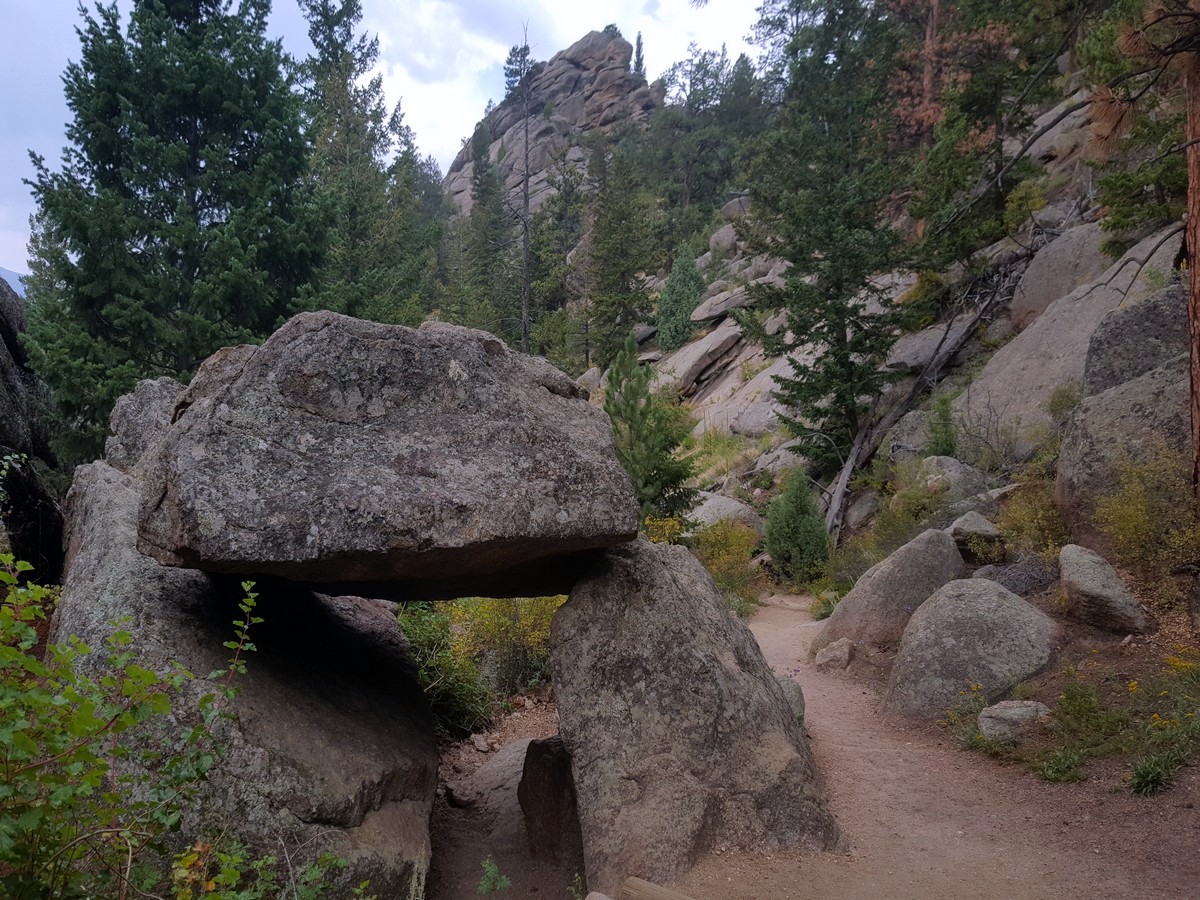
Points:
(649, 433)
(518, 77)
(819, 188)
(381, 240)
(639, 59)
(181, 220)
(620, 250)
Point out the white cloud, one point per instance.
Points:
(443, 60)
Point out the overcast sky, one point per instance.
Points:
(441, 59)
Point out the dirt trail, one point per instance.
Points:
(928, 821)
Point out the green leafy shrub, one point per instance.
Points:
(1062, 767)
(941, 429)
(725, 548)
(1022, 202)
(823, 605)
(1155, 773)
(907, 508)
(1149, 522)
(1030, 520)
(508, 639)
(96, 771)
(492, 882)
(460, 701)
(795, 535)
(70, 821)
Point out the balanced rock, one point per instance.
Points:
(971, 632)
(876, 610)
(674, 723)
(332, 746)
(430, 462)
(1006, 721)
(1095, 594)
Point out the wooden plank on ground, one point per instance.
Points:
(636, 889)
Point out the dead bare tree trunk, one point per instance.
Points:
(1193, 254)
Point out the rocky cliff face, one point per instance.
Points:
(586, 88)
(28, 509)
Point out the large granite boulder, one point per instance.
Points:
(1141, 421)
(876, 611)
(431, 462)
(1012, 391)
(680, 736)
(972, 633)
(714, 508)
(1071, 260)
(1133, 340)
(331, 745)
(1095, 593)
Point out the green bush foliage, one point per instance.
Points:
(96, 771)
(1029, 519)
(726, 548)
(1149, 521)
(679, 299)
(651, 435)
(460, 701)
(508, 639)
(795, 536)
(942, 430)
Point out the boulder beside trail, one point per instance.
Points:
(877, 609)
(1006, 721)
(331, 745)
(970, 633)
(714, 508)
(836, 656)
(679, 734)
(1145, 420)
(1095, 594)
(379, 459)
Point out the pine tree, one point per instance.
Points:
(620, 251)
(518, 77)
(679, 299)
(649, 434)
(639, 59)
(381, 247)
(818, 191)
(181, 220)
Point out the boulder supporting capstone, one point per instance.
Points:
(680, 735)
